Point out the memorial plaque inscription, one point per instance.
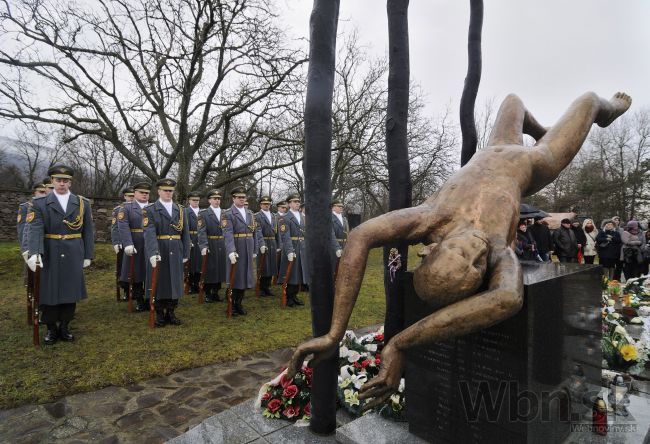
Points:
(509, 383)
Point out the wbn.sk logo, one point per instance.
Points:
(488, 403)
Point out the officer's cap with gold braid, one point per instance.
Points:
(127, 192)
(39, 187)
(337, 202)
(214, 194)
(166, 184)
(194, 195)
(142, 186)
(238, 192)
(60, 172)
(265, 200)
(281, 204)
(294, 196)
(48, 182)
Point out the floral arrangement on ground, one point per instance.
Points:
(359, 360)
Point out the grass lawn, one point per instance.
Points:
(114, 347)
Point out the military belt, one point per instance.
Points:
(342, 240)
(137, 230)
(193, 232)
(63, 236)
(215, 237)
(269, 237)
(169, 237)
(243, 235)
(297, 238)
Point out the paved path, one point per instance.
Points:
(149, 412)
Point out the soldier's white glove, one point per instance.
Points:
(117, 248)
(204, 251)
(279, 250)
(233, 257)
(263, 249)
(86, 263)
(34, 261)
(254, 255)
(185, 259)
(291, 256)
(25, 255)
(339, 252)
(154, 260)
(130, 250)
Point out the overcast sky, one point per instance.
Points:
(547, 52)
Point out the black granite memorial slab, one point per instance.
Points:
(510, 382)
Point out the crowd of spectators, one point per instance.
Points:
(622, 250)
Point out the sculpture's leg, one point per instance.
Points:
(563, 141)
(513, 120)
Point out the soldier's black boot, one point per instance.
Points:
(171, 317)
(239, 307)
(141, 305)
(209, 288)
(265, 284)
(52, 334)
(160, 316)
(194, 282)
(125, 291)
(295, 297)
(64, 332)
(290, 295)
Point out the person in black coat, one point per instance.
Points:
(566, 245)
(581, 237)
(524, 243)
(542, 237)
(608, 245)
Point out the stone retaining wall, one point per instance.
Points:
(11, 198)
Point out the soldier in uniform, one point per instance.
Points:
(61, 242)
(282, 208)
(127, 195)
(131, 232)
(243, 238)
(39, 190)
(48, 185)
(193, 198)
(268, 223)
(167, 245)
(341, 229)
(212, 244)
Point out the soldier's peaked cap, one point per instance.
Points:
(38, 187)
(61, 172)
(337, 202)
(294, 196)
(48, 182)
(128, 191)
(238, 192)
(265, 200)
(166, 184)
(142, 186)
(214, 194)
(194, 194)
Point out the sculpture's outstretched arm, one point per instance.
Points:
(502, 299)
(409, 224)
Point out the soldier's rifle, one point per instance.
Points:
(204, 266)
(260, 265)
(287, 276)
(231, 285)
(278, 257)
(36, 339)
(186, 279)
(152, 295)
(131, 278)
(118, 265)
(29, 288)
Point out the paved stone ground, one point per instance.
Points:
(149, 412)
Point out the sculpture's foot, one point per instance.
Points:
(618, 104)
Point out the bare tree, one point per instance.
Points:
(38, 151)
(178, 87)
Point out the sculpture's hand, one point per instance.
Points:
(382, 386)
(322, 348)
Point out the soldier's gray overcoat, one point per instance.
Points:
(243, 237)
(341, 237)
(157, 222)
(209, 225)
(62, 277)
(195, 251)
(292, 235)
(269, 234)
(115, 229)
(20, 222)
(131, 232)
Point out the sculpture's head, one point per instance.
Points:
(452, 269)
